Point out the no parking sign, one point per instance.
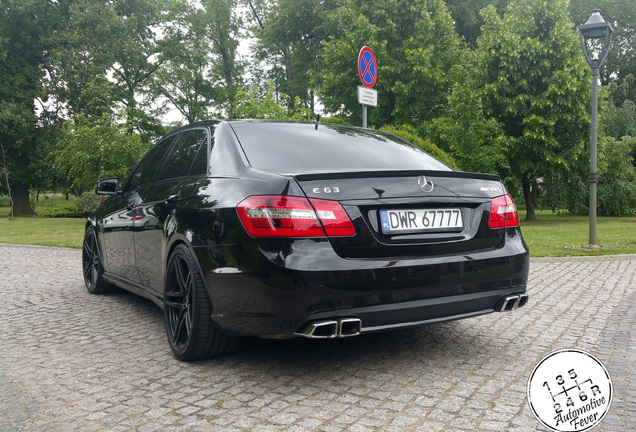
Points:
(368, 72)
(367, 67)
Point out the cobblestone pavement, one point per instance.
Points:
(71, 361)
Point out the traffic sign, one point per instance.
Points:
(367, 67)
(367, 96)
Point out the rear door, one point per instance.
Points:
(184, 168)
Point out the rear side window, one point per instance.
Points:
(146, 171)
(182, 157)
(303, 148)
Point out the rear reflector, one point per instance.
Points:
(288, 216)
(503, 213)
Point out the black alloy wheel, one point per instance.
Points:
(92, 264)
(187, 310)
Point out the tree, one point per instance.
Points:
(25, 26)
(92, 148)
(289, 34)
(467, 18)
(137, 45)
(183, 80)
(416, 48)
(475, 139)
(81, 52)
(534, 84)
(621, 60)
(425, 145)
(221, 24)
(262, 102)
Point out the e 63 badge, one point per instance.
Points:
(570, 390)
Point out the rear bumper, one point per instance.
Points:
(421, 312)
(280, 294)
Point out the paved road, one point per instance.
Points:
(71, 361)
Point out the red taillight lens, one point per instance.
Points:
(285, 216)
(334, 218)
(503, 213)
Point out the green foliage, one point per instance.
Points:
(259, 103)
(521, 107)
(81, 207)
(566, 192)
(512, 100)
(25, 29)
(467, 19)
(465, 131)
(621, 61)
(424, 144)
(92, 149)
(617, 177)
(289, 35)
(221, 24)
(335, 120)
(618, 121)
(181, 81)
(616, 190)
(416, 48)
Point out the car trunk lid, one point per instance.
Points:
(410, 213)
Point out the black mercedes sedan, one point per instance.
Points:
(276, 229)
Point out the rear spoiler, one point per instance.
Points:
(392, 173)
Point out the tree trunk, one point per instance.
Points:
(535, 194)
(312, 105)
(289, 76)
(20, 197)
(527, 195)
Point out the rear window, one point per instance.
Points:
(301, 148)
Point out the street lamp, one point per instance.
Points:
(596, 41)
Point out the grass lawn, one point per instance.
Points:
(562, 235)
(42, 231)
(551, 234)
(36, 230)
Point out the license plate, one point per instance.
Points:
(420, 220)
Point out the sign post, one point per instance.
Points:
(368, 72)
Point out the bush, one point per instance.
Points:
(82, 207)
(566, 190)
(425, 145)
(94, 148)
(335, 121)
(617, 198)
(617, 177)
(616, 190)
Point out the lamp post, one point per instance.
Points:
(596, 40)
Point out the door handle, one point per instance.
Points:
(172, 197)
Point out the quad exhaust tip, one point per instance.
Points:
(511, 302)
(329, 329)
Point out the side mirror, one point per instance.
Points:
(107, 186)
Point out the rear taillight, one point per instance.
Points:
(288, 216)
(503, 213)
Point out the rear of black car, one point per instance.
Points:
(365, 232)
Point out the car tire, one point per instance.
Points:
(186, 309)
(92, 267)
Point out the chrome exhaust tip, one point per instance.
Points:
(330, 329)
(350, 327)
(320, 330)
(511, 302)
